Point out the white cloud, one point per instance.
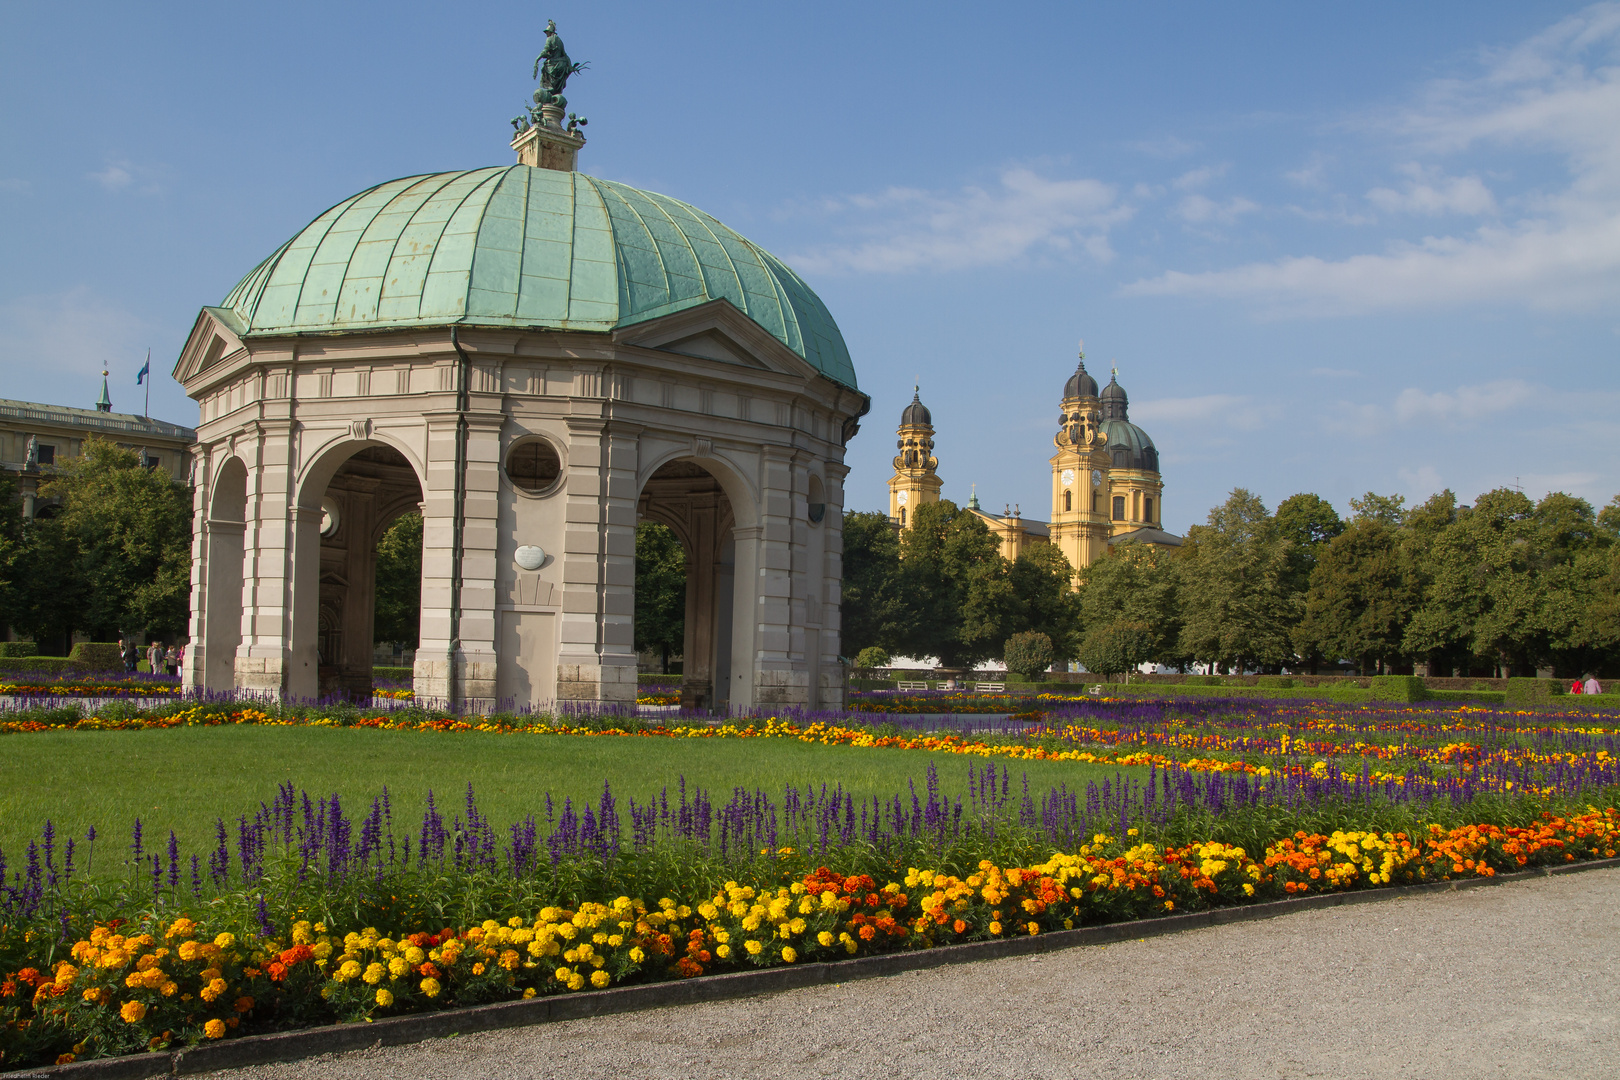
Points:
(1466, 403)
(1197, 178)
(75, 333)
(1199, 209)
(1229, 410)
(1420, 482)
(906, 229)
(1428, 191)
(1557, 93)
(115, 177)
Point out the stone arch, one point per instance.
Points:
(739, 489)
(349, 492)
(686, 494)
(223, 579)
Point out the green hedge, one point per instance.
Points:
(18, 648)
(399, 674)
(1397, 688)
(41, 665)
(1533, 691)
(98, 655)
(1482, 697)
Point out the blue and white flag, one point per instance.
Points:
(146, 369)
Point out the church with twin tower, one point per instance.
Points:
(1106, 484)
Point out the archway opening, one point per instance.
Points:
(224, 566)
(690, 503)
(374, 488)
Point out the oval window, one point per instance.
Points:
(533, 466)
(818, 500)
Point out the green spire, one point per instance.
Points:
(105, 403)
(973, 499)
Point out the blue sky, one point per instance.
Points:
(1372, 247)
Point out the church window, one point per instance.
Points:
(1147, 510)
(1068, 500)
(1094, 498)
(902, 516)
(1119, 508)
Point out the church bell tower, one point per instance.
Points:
(916, 480)
(1080, 473)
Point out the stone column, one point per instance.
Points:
(831, 587)
(702, 614)
(193, 674)
(263, 658)
(480, 549)
(596, 658)
(776, 680)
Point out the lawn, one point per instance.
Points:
(185, 778)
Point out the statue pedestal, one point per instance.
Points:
(546, 147)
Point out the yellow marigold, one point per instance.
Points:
(349, 970)
(723, 951)
(789, 955)
(637, 955)
(93, 994)
(431, 987)
(244, 1004)
(190, 950)
(385, 997)
(213, 990)
(133, 1012)
(168, 988)
(225, 941)
(600, 979)
(398, 966)
(375, 973)
(995, 928)
(825, 938)
(577, 982)
(214, 1029)
(414, 955)
(754, 948)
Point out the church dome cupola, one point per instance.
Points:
(916, 414)
(1114, 402)
(1080, 384)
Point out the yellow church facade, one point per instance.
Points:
(1106, 484)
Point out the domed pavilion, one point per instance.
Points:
(536, 360)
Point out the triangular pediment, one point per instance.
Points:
(212, 339)
(719, 332)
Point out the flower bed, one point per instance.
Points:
(154, 982)
(301, 913)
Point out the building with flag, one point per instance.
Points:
(35, 438)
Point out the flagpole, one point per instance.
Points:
(148, 381)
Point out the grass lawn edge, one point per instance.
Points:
(403, 1030)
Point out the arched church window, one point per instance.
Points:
(1068, 500)
(1147, 510)
(1119, 508)
(902, 516)
(533, 466)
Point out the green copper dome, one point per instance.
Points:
(525, 247)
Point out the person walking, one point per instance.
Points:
(1592, 685)
(1576, 687)
(154, 657)
(130, 653)
(177, 658)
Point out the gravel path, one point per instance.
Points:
(1518, 980)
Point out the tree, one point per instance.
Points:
(1362, 595)
(116, 559)
(1043, 587)
(1135, 583)
(1389, 509)
(1028, 654)
(398, 611)
(1309, 523)
(872, 657)
(870, 608)
(1488, 573)
(953, 587)
(1237, 608)
(1116, 647)
(660, 591)
(11, 544)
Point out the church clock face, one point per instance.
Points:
(1096, 478)
(1068, 477)
(902, 498)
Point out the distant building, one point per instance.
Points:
(35, 439)
(1106, 485)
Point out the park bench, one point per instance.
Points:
(911, 686)
(990, 687)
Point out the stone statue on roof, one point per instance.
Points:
(553, 68)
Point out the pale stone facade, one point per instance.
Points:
(532, 451)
